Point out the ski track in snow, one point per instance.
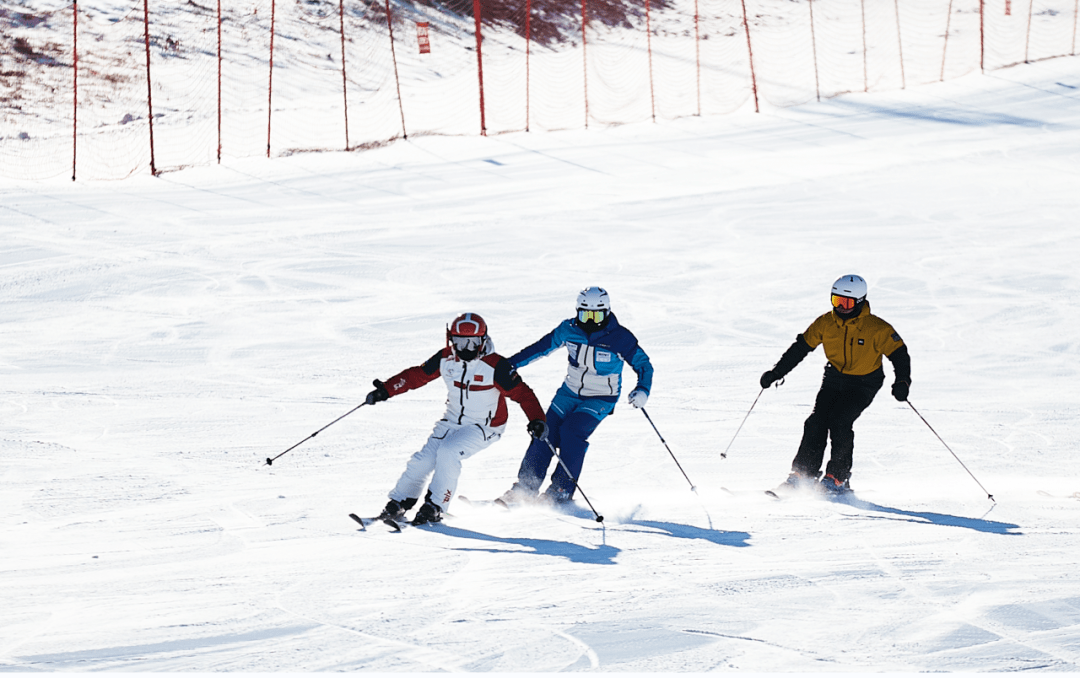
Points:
(163, 336)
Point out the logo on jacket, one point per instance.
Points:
(603, 357)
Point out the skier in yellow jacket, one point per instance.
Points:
(854, 341)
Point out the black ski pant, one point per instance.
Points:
(841, 400)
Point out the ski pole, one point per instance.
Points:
(723, 455)
(270, 460)
(988, 495)
(599, 518)
(693, 488)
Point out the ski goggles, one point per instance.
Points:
(466, 343)
(585, 315)
(843, 303)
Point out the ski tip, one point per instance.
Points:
(772, 494)
(358, 519)
(392, 525)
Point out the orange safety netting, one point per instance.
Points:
(103, 90)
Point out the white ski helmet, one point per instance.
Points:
(594, 299)
(593, 308)
(848, 294)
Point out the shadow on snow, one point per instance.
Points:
(600, 555)
(978, 524)
(721, 537)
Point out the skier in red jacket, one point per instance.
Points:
(478, 381)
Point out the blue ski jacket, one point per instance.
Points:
(596, 360)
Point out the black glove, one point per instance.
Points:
(900, 390)
(378, 395)
(768, 378)
(537, 428)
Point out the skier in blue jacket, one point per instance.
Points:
(597, 347)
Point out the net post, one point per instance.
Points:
(344, 80)
(219, 81)
(270, 81)
(585, 60)
(982, 36)
(697, 55)
(648, 45)
(149, 86)
(75, 87)
(945, 50)
(397, 79)
(528, 51)
(1027, 38)
(865, 68)
(477, 10)
(750, 53)
(813, 49)
(900, 45)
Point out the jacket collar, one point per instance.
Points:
(841, 321)
(612, 325)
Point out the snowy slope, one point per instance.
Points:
(162, 337)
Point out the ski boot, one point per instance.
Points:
(516, 496)
(555, 497)
(795, 482)
(832, 487)
(430, 512)
(395, 510)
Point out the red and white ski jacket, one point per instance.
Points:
(476, 390)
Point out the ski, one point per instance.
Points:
(364, 522)
(398, 526)
(1074, 495)
(782, 492)
(484, 502)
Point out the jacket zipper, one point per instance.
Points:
(845, 348)
(464, 390)
(585, 369)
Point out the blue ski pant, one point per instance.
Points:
(571, 420)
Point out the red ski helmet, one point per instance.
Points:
(466, 334)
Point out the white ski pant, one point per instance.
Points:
(440, 458)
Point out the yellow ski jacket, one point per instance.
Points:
(854, 347)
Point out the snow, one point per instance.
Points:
(163, 336)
